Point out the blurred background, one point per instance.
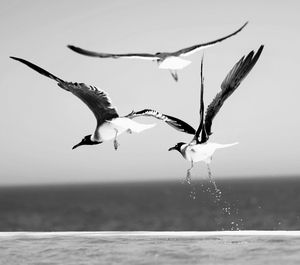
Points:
(47, 186)
(248, 204)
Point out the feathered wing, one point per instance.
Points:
(96, 99)
(38, 69)
(145, 56)
(233, 79)
(190, 50)
(201, 128)
(172, 121)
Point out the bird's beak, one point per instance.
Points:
(172, 148)
(79, 144)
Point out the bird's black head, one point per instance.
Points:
(176, 147)
(86, 141)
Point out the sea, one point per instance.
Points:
(241, 221)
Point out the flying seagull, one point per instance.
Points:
(109, 123)
(171, 61)
(200, 149)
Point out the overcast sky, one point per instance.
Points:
(40, 122)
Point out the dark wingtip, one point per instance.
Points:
(73, 48)
(241, 28)
(261, 48)
(246, 23)
(259, 51)
(15, 58)
(19, 59)
(257, 54)
(38, 69)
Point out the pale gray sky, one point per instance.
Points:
(40, 122)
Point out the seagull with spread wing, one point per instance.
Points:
(109, 123)
(171, 61)
(200, 149)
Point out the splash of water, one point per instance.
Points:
(188, 180)
(234, 221)
(218, 193)
(226, 207)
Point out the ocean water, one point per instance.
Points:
(245, 204)
(99, 224)
(234, 247)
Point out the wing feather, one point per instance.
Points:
(190, 50)
(97, 100)
(201, 128)
(231, 82)
(145, 56)
(172, 121)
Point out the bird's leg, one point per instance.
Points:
(188, 173)
(116, 144)
(174, 75)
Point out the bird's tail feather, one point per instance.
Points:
(38, 69)
(226, 145)
(139, 127)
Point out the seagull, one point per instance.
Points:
(200, 149)
(109, 123)
(171, 61)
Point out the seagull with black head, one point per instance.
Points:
(171, 61)
(109, 123)
(200, 148)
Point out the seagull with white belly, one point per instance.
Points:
(109, 123)
(200, 149)
(171, 61)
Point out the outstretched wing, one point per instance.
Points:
(96, 99)
(172, 121)
(145, 56)
(190, 50)
(201, 128)
(233, 79)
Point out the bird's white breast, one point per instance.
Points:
(173, 63)
(203, 152)
(109, 129)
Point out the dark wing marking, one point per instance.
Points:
(201, 128)
(189, 50)
(146, 56)
(172, 121)
(96, 99)
(38, 69)
(233, 79)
